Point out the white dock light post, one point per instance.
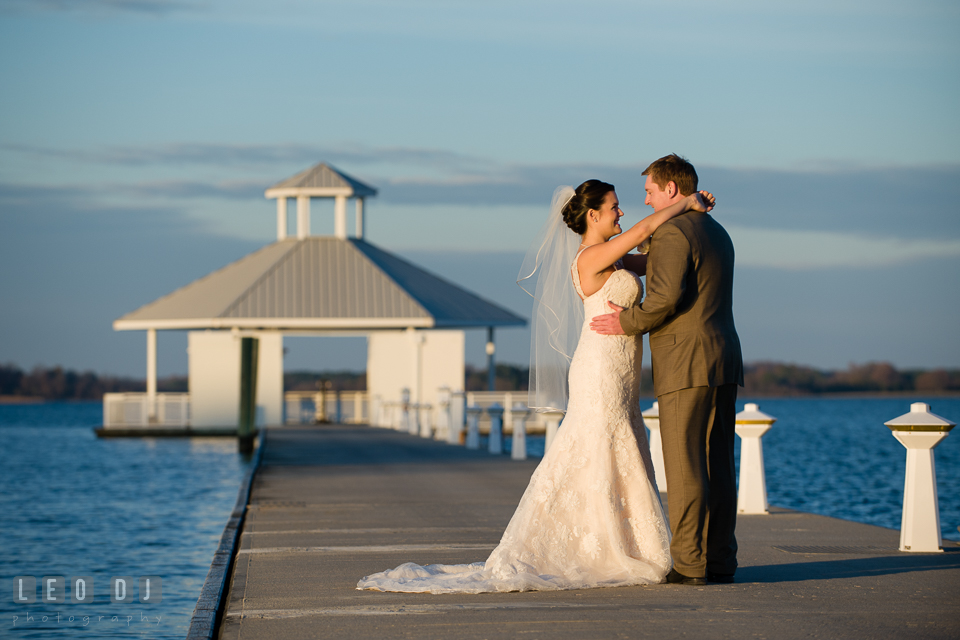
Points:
(920, 431)
(495, 441)
(455, 431)
(518, 449)
(491, 349)
(651, 418)
(552, 418)
(473, 426)
(425, 414)
(443, 414)
(404, 422)
(751, 425)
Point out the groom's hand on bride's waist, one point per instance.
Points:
(609, 323)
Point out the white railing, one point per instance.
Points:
(310, 407)
(536, 422)
(403, 415)
(134, 410)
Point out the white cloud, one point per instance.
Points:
(800, 250)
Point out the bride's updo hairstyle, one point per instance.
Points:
(588, 195)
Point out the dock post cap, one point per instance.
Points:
(920, 418)
(652, 412)
(495, 409)
(751, 414)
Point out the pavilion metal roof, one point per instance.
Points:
(322, 283)
(320, 180)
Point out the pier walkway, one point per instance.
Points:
(331, 504)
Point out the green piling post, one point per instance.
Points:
(248, 394)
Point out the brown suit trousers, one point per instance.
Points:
(697, 365)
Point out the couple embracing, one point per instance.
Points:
(591, 515)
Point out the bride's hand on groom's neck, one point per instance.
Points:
(702, 201)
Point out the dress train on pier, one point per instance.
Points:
(591, 514)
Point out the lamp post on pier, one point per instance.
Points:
(920, 431)
(751, 424)
(491, 349)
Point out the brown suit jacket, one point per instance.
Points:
(688, 311)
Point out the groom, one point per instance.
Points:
(697, 366)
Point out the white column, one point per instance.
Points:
(443, 413)
(151, 373)
(418, 339)
(456, 417)
(518, 450)
(340, 217)
(751, 424)
(358, 410)
(920, 431)
(552, 418)
(404, 422)
(507, 413)
(495, 442)
(426, 420)
(473, 426)
(281, 218)
(360, 218)
(651, 418)
(920, 523)
(303, 216)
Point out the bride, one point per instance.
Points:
(591, 514)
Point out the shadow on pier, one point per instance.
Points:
(872, 566)
(326, 445)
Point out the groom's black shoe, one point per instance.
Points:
(720, 578)
(675, 577)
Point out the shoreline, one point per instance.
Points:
(845, 395)
(25, 400)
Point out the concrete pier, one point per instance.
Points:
(331, 504)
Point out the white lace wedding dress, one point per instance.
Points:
(591, 515)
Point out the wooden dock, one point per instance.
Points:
(331, 504)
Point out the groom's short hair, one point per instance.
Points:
(673, 168)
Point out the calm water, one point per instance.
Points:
(834, 457)
(75, 505)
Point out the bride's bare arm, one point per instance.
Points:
(599, 257)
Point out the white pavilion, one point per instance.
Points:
(303, 284)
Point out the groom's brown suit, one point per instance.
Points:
(697, 366)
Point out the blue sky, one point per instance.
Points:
(137, 137)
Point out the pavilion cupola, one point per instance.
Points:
(320, 181)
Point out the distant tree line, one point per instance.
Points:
(57, 383)
(778, 379)
(760, 378)
(313, 380)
